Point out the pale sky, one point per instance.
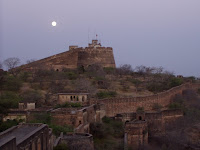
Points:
(151, 33)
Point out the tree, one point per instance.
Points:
(30, 61)
(125, 69)
(1, 66)
(12, 62)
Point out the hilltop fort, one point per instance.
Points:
(76, 57)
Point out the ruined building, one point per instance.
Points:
(76, 57)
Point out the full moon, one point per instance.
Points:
(53, 23)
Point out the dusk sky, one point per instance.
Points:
(151, 33)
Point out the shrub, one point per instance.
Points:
(12, 84)
(156, 106)
(175, 82)
(109, 70)
(61, 146)
(106, 94)
(24, 76)
(68, 105)
(8, 124)
(174, 106)
(140, 109)
(71, 75)
(9, 100)
(106, 119)
(58, 129)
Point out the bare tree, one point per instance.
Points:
(125, 69)
(12, 62)
(30, 61)
(1, 66)
(85, 85)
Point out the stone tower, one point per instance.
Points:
(76, 57)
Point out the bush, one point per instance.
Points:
(9, 100)
(58, 129)
(156, 106)
(8, 124)
(71, 75)
(24, 76)
(106, 119)
(140, 109)
(175, 82)
(68, 105)
(61, 146)
(109, 70)
(105, 94)
(46, 119)
(174, 106)
(12, 84)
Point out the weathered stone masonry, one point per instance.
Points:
(127, 105)
(76, 57)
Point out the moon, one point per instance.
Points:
(53, 23)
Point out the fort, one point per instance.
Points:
(139, 126)
(75, 57)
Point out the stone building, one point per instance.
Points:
(136, 134)
(27, 137)
(26, 105)
(81, 98)
(77, 141)
(79, 118)
(76, 57)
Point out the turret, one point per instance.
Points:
(94, 44)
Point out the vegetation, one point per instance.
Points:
(8, 100)
(157, 107)
(68, 105)
(11, 83)
(8, 124)
(107, 135)
(106, 94)
(46, 119)
(140, 109)
(61, 147)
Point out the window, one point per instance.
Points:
(71, 98)
(83, 98)
(140, 118)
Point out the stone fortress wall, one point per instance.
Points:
(75, 57)
(127, 105)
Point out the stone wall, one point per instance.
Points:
(136, 134)
(78, 141)
(100, 55)
(115, 106)
(158, 122)
(74, 58)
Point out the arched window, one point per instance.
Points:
(71, 98)
(83, 99)
(57, 69)
(77, 98)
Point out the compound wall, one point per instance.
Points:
(127, 105)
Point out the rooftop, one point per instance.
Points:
(20, 132)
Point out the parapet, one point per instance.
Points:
(73, 47)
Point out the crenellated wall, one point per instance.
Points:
(127, 105)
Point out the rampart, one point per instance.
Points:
(127, 105)
(74, 58)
